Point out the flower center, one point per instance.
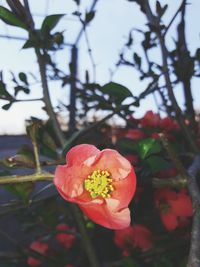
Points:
(99, 183)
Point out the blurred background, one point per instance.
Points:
(98, 54)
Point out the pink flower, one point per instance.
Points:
(150, 119)
(39, 247)
(136, 236)
(65, 239)
(173, 207)
(168, 124)
(135, 134)
(102, 183)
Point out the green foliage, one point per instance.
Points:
(127, 145)
(148, 147)
(22, 191)
(23, 77)
(117, 92)
(4, 94)
(10, 18)
(7, 106)
(50, 22)
(89, 16)
(156, 163)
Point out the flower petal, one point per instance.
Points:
(69, 181)
(125, 189)
(170, 221)
(107, 214)
(182, 206)
(81, 153)
(112, 161)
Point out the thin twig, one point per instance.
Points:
(173, 18)
(15, 179)
(175, 182)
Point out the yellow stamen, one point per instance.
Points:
(99, 184)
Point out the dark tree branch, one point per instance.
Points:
(154, 21)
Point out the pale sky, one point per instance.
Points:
(107, 34)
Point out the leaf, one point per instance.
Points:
(116, 91)
(157, 163)
(148, 147)
(9, 18)
(24, 157)
(130, 40)
(158, 8)
(21, 88)
(22, 190)
(89, 16)
(4, 93)
(126, 145)
(50, 22)
(23, 77)
(48, 141)
(28, 44)
(137, 60)
(77, 2)
(7, 106)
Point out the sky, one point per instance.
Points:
(107, 34)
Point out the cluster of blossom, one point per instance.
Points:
(135, 236)
(64, 236)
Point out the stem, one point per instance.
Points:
(45, 87)
(155, 22)
(89, 249)
(173, 156)
(13, 179)
(36, 154)
(72, 110)
(175, 182)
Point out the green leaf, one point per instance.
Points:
(129, 262)
(137, 60)
(117, 92)
(9, 18)
(25, 157)
(23, 77)
(126, 145)
(7, 106)
(89, 16)
(148, 146)
(50, 22)
(22, 190)
(156, 163)
(4, 93)
(21, 88)
(28, 44)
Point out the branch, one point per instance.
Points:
(14, 179)
(173, 18)
(154, 21)
(175, 182)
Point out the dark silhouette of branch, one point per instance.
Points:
(82, 29)
(73, 89)
(185, 66)
(154, 21)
